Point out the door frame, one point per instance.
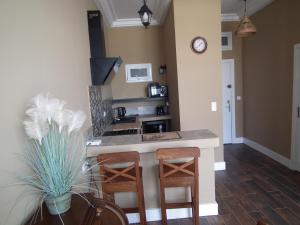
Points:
(234, 139)
(295, 155)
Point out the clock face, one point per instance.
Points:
(199, 45)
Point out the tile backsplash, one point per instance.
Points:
(101, 108)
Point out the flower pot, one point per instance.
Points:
(60, 204)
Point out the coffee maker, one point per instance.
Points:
(120, 112)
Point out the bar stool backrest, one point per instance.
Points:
(121, 157)
(178, 153)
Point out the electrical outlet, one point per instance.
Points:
(213, 106)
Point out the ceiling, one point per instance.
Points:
(123, 13)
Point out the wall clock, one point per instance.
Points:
(199, 45)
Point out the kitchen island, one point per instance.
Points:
(204, 139)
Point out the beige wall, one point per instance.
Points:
(170, 55)
(135, 45)
(44, 48)
(236, 54)
(268, 74)
(199, 76)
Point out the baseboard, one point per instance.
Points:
(210, 209)
(268, 152)
(238, 140)
(295, 166)
(220, 166)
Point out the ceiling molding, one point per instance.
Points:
(110, 18)
(161, 9)
(230, 17)
(254, 6)
(133, 22)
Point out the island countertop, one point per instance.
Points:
(204, 139)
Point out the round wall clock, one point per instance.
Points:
(199, 45)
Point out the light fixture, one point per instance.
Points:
(246, 28)
(145, 15)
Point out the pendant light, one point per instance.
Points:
(246, 28)
(145, 15)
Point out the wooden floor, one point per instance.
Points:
(253, 186)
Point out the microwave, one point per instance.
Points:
(156, 90)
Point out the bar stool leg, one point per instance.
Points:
(141, 202)
(162, 203)
(196, 201)
(193, 204)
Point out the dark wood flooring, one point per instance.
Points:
(253, 187)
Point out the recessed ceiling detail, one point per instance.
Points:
(123, 13)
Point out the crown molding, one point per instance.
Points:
(161, 9)
(230, 17)
(133, 22)
(254, 6)
(110, 18)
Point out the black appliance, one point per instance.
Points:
(120, 111)
(120, 132)
(156, 126)
(163, 91)
(101, 66)
(126, 119)
(156, 90)
(160, 110)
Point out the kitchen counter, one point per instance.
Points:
(204, 139)
(139, 120)
(143, 118)
(126, 126)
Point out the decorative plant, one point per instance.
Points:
(56, 154)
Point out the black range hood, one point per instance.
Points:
(101, 66)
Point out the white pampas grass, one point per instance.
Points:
(44, 107)
(46, 112)
(76, 121)
(55, 156)
(62, 118)
(36, 130)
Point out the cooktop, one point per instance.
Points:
(126, 119)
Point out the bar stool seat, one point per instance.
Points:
(116, 178)
(179, 175)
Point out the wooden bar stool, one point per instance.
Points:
(179, 175)
(124, 179)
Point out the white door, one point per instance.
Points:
(228, 94)
(296, 111)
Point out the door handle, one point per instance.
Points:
(298, 112)
(228, 102)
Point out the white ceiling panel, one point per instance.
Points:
(124, 12)
(231, 6)
(128, 8)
